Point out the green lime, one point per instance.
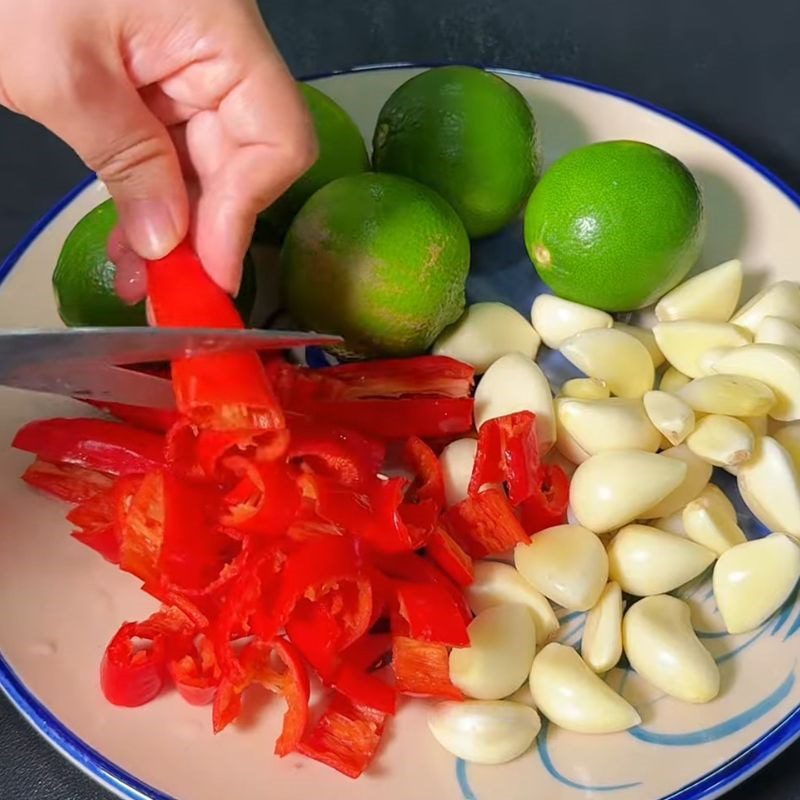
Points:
(84, 276)
(469, 135)
(615, 225)
(378, 259)
(341, 152)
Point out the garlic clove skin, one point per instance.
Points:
(770, 487)
(672, 380)
(711, 295)
(645, 336)
(781, 299)
(647, 561)
(683, 342)
(670, 415)
(567, 564)
(484, 731)
(696, 478)
(721, 441)
(502, 645)
(614, 357)
(613, 488)
(710, 520)
(484, 333)
(556, 319)
(516, 383)
(774, 330)
(661, 645)
(601, 646)
(570, 695)
(754, 579)
(585, 389)
(457, 460)
(734, 395)
(496, 583)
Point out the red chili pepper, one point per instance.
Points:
(425, 466)
(450, 557)
(548, 504)
(508, 451)
(485, 524)
(316, 633)
(224, 392)
(423, 669)
(140, 516)
(98, 444)
(354, 679)
(66, 481)
(432, 614)
(345, 737)
(196, 675)
(158, 420)
(95, 519)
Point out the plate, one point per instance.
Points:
(67, 602)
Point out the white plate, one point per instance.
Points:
(62, 603)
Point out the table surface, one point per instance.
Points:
(712, 62)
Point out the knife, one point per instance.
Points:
(89, 363)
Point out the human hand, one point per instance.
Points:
(184, 109)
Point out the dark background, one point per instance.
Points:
(732, 66)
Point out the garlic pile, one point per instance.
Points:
(654, 414)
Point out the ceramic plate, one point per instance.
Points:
(62, 602)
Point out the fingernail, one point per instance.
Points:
(149, 227)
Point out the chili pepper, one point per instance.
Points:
(66, 481)
(450, 557)
(422, 668)
(547, 506)
(432, 614)
(428, 477)
(196, 674)
(94, 519)
(158, 420)
(140, 516)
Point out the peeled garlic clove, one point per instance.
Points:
(613, 488)
(567, 563)
(502, 645)
(662, 647)
(774, 330)
(711, 295)
(722, 441)
(523, 695)
(671, 524)
(616, 423)
(556, 319)
(683, 342)
(457, 460)
(645, 336)
(484, 333)
(708, 360)
(496, 583)
(672, 380)
(585, 389)
(789, 438)
(570, 695)
(515, 383)
(776, 366)
(601, 647)
(696, 478)
(734, 395)
(614, 357)
(646, 561)
(670, 415)
(710, 520)
(758, 425)
(484, 731)
(566, 445)
(753, 580)
(782, 300)
(770, 487)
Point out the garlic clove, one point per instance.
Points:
(556, 319)
(496, 583)
(645, 336)
(710, 520)
(754, 579)
(585, 389)
(566, 445)
(777, 367)
(673, 417)
(770, 487)
(499, 657)
(781, 299)
(662, 647)
(616, 423)
(734, 395)
(523, 695)
(484, 731)
(613, 488)
(774, 330)
(601, 647)
(711, 295)
(788, 437)
(683, 342)
(515, 383)
(457, 460)
(758, 425)
(484, 333)
(722, 441)
(567, 564)
(614, 357)
(673, 523)
(570, 695)
(696, 478)
(672, 380)
(646, 561)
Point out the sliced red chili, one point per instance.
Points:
(95, 520)
(432, 614)
(423, 669)
(158, 420)
(196, 674)
(450, 557)
(66, 481)
(140, 510)
(547, 506)
(428, 477)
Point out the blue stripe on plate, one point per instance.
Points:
(113, 777)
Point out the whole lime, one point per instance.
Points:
(615, 225)
(380, 260)
(469, 135)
